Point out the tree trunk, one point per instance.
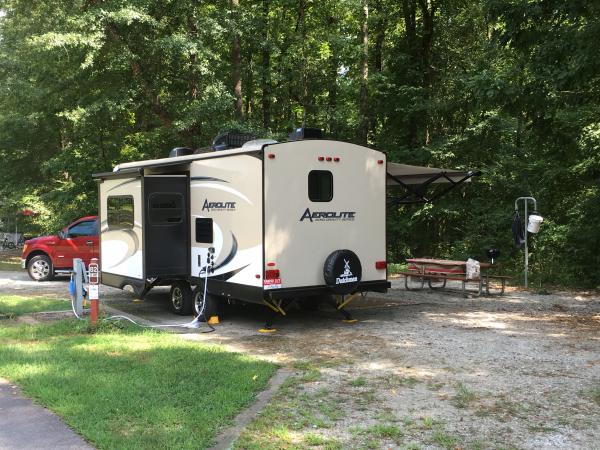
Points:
(363, 127)
(409, 10)
(380, 27)
(193, 79)
(250, 85)
(428, 12)
(332, 124)
(266, 69)
(236, 64)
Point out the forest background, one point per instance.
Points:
(508, 87)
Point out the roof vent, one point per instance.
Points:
(231, 139)
(306, 133)
(180, 151)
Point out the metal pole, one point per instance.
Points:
(525, 200)
(526, 249)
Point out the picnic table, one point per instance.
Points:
(438, 271)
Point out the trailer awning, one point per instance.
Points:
(415, 181)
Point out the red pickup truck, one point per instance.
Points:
(46, 256)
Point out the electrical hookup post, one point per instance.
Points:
(93, 290)
(532, 225)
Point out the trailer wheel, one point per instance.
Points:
(181, 298)
(210, 308)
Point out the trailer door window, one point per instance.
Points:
(165, 208)
(320, 186)
(119, 212)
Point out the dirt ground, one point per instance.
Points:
(425, 369)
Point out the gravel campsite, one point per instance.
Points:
(419, 369)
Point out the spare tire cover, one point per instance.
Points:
(342, 271)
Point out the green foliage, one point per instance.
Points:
(508, 87)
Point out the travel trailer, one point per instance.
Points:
(272, 223)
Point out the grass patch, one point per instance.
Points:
(357, 382)
(428, 423)
(379, 431)
(594, 395)
(301, 410)
(128, 388)
(316, 440)
(16, 305)
(10, 260)
(445, 440)
(311, 375)
(464, 396)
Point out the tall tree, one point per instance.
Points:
(363, 113)
(236, 61)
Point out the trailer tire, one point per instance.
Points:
(342, 271)
(211, 307)
(181, 298)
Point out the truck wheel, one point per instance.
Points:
(210, 308)
(181, 298)
(40, 268)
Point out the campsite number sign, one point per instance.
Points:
(94, 277)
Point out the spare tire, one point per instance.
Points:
(342, 271)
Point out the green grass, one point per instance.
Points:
(16, 305)
(358, 382)
(464, 396)
(128, 388)
(594, 394)
(10, 260)
(445, 440)
(301, 412)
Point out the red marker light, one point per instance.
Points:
(271, 264)
(379, 265)
(336, 159)
(257, 276)
(328, 159)
(320, 158)
(380, 161)
(271, 274)
(271, 156)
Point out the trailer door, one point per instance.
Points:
(166, 225)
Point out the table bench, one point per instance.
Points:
(439, 270)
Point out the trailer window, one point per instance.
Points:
(320, 186)
(119, 212)
(165, 208)
(204, 230)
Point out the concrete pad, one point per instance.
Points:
(25, 425)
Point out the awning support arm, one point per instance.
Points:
(421, 198)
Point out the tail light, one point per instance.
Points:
(380, 265)
(271, 274)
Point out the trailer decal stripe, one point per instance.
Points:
(207, 179)
(222, 188)
(232, 253)
(228, 275)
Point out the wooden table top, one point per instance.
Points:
(443, 262)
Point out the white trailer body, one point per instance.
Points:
(273, 213)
